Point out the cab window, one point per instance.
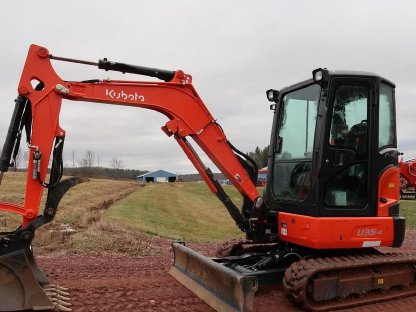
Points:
(293, 159)
(386, 126)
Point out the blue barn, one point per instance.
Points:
(157, 176)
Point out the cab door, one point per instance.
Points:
(346, 170)
(386, 153)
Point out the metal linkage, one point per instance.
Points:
(163, 74)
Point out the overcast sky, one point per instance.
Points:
(235, 51)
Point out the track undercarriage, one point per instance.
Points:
(329, 281)
(324, 284)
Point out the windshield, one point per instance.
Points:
(298, 125)
(293, 160)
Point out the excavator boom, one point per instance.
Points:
(177, 99)
(37, 111)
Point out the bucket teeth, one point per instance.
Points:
(56, 287)
(57, 291)
(59, 307)
(59, 297)
(60, 302)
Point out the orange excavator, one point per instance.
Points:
(408, 178)
(331, 198)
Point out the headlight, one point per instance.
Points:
(320, 74)
(272, 95)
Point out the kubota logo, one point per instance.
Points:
(112, 94)
(369, 232)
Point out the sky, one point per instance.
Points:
(234, 50)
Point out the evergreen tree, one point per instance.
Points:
(260, 156)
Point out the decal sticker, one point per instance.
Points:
(135, 97)
(369, 232)
(283, 229)
(371, 243)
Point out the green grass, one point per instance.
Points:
(177, 211)
(190, 211)
(408, 210)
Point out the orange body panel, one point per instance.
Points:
(335, 232)
(388, 190)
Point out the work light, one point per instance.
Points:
(320, 75)
(272, 95)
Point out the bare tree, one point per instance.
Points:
(87, 163)
(89, 156)
(116, 164)
(17, 161)
(88, 160)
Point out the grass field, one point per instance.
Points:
(110, 215)
(179, 211)
(408, 210)
(78, 223)
(190, 211)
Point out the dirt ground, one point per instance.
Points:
(123, 283)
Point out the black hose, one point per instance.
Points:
(12, 142)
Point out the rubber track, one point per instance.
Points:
(298, 275)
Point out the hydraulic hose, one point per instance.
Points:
(13, 134)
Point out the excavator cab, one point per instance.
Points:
(334, 156)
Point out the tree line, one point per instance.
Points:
(89, 165)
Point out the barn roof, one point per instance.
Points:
(158, 173)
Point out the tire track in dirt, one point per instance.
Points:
(124, 283)
(121, 284)
(400, 305)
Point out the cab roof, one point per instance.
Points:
(339, 73)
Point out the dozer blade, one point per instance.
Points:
(19, 288)
(220, 287)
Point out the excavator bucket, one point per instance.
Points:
(19, 285)
(23, 286)
(220, 287)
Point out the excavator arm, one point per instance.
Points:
(42, 91)
(37, 111)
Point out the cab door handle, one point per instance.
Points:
(338, 158)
